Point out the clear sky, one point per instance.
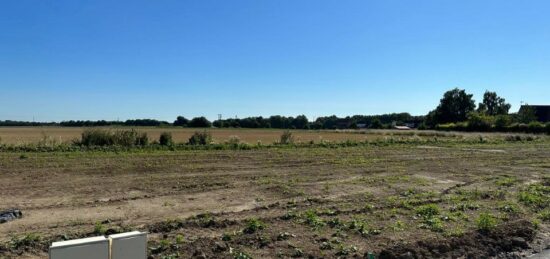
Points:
(99, 59)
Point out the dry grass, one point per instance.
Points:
(26, 135)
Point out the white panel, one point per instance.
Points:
(131, 245)
(85, 248)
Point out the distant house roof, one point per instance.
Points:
(542, 112)
(402, 128)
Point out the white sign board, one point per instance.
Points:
(130, 245)
(85, 248)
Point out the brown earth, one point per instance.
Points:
(316, 202)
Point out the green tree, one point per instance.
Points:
(493, 104)
(181, 121)
(455, 106)
(199, 122)
(526, 114)
(300, 122)
(376, 124)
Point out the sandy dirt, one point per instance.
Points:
(68, 193)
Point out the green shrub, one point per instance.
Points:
(200, 138)
(165, 139)
(96, 137)
(479, 122)
(126, 138)
(486, 222)
(502, 121)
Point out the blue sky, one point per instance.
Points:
(96, 59)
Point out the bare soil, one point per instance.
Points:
(281, 202)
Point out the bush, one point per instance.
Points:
(535, 127)
(200, 138)
(502, 121)
(165, 139)
(479, 122)
(286, 138)
(126, 138)
(96, 137)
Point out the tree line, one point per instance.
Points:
(275, 122)
(457, 110)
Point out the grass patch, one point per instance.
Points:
(486, 222)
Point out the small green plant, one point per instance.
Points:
(284, 236)
(179, 239)
(536, 196)
(297, 252)
(206, 220)
(99, 228)
(326, 246)
(227, 237)
(398, 226)
(343, 250)
(164, 244)
(200, 138)
(291, 214)
(240, 255)
(486, 222)
(27, 240)
(311, 218)
(454, 232)
(545, 215)
(286, 138)
(506, 181)
(165, 139)
(253, 225)
(433, 224)
(335, 222)
(510, 208)
(428, 210)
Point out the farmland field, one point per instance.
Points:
(26, 135)
(455, 196)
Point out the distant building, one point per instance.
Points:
(361, 125)
(401, 127)
(542, 112)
